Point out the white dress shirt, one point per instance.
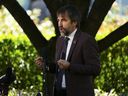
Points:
(71, 36)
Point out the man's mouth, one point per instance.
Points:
(61, 28)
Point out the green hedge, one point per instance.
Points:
(17, 51)
(114, 71)
(20, 54)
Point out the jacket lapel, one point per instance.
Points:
(59, 47)
(74, 42)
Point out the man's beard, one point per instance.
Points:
(65, 33)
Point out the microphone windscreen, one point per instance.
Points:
(9, 71)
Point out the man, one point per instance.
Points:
(81, 62)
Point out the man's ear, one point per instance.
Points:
(75, 23)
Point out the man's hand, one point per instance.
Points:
(63, 64)
(39, 62)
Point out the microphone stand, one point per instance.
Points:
(5, 81)
(44, 70)
(45, 87)
(4, 90)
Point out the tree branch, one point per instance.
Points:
(96, 16)
(26, 23)
(113, 37)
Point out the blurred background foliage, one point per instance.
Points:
(114, 63)
(112, 21)
(114, 60)
(17, 51)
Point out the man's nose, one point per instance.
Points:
(59, 23)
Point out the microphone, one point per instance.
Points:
(8, 78)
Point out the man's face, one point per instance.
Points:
(66, 26)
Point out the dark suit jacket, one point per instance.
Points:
(85, 64)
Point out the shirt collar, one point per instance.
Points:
(72, 34)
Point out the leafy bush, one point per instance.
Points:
(20, 54)
(114, 71)
(99, 92)
(114, 61)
